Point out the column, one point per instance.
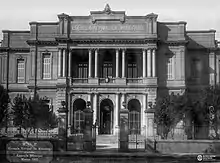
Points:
(70, 63)
(117, 63)
(116, 124)
(143, 124)
(153, 63)
(64, 62)
(144, 63)
(149, 63)
(96, 63)
(123, 63)
(95, 105)
(90, 63)
(59, 62)
(123, 100)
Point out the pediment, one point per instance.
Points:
(107, 15)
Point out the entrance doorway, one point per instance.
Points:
(106, 117)
(134, 116)
(78, 116)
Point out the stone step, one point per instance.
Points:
(106, 139)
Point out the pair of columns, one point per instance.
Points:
(62, 60)
(117, 63)
(149, 63)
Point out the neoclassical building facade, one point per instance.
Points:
(110, 60)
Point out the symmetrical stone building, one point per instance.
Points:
(110, 60)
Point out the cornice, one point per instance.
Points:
(14, 31)
(175, 43)
(6, 49)
(213, 49)
(42, 42)
(44, 23)
(63, 40)
(113, 41)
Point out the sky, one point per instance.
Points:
(199, 14)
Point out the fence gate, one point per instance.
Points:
(136, 141)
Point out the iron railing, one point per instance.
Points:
(189, 132)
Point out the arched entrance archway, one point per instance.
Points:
(106, 117)
(134, 116)
(78, 115)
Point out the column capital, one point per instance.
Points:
(123, 49)
(96, 49)
(143, 49)
(95, 93)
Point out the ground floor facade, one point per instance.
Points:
(106, 104)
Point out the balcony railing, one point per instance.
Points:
(106, 80)
(79, 80)
(134, 80)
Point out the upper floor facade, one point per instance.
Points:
(109, 49)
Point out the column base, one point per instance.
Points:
(116, 130)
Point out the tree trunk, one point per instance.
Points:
(20, 130)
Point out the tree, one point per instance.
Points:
(33, 114)
(210, 98)
(4, 101)
(168, 112)
(23, 114)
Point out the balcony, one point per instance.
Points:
(106, 80)
(79, 80)
(135, 80)
(114, 81)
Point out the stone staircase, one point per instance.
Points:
(107, 139)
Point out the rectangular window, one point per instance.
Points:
(195, 68)
(132, 70)
(79, 121)
(107, 70)
(82, 70)
(170, 68)
(20, 71)
(46, 66)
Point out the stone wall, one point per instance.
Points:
(188, 146)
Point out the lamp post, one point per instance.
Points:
(88, 145)
(64, 110)
(124, 130)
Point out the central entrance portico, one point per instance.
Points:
(112, 65)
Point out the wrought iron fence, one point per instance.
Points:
(137, 139)
(188, 132)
